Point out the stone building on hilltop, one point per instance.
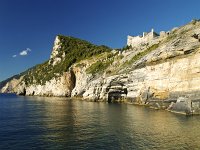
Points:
(141, 40)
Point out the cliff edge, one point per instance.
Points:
(161, 71)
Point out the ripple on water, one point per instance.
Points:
(60, 123)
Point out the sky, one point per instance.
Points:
(28, 27)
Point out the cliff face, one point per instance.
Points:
(57, 86)
(160, 70)
(61, 86)
(168, 71)
(10, 86)
(56, 76)
(168, 80)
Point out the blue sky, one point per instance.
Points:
(28, 27)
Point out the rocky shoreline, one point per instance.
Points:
(182, 105)
(162, 72)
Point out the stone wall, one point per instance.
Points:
(141, 40)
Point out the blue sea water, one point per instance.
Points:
(61, 123)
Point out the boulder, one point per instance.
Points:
(182, 105)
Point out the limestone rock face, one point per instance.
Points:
(57, 54)
(11, 86)
(57, 45)
(82, 79)
(61, 86)
(182, 105)
(163, 70)
(109, 88)
(170, 79)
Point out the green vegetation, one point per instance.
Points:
(101, 65)
(119, 57)
(3, 83)
(39, 74)
(176, 33)
(126, 47)
(98, 67)
(171, 36)
(74, 51)
(194, 21)
(141, 54)
(78, 49)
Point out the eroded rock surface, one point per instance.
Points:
(154, 74)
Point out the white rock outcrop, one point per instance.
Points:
(169, 71)
(61, 86)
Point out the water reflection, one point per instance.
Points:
(57, 119)
(162, 130)
(61, 123)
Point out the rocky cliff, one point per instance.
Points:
(154, 73)
(56, 76)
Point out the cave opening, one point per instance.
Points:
(116, 95)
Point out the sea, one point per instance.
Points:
(50, 123)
